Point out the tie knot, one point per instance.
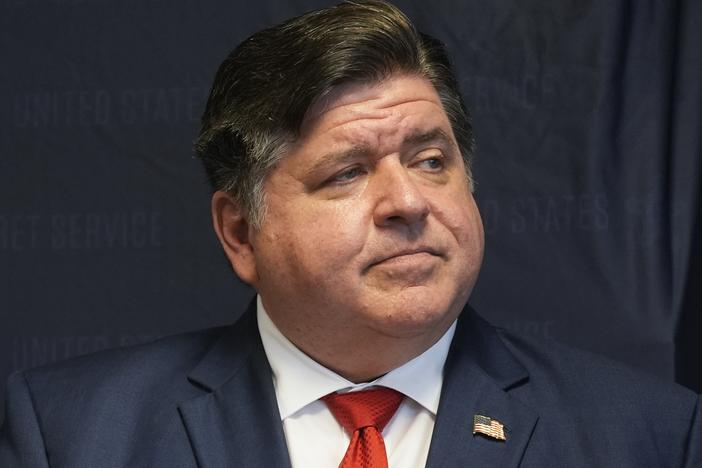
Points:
(356, 410)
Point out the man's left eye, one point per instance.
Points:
(432, 163)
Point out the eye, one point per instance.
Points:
(347, 175)
(433, 164)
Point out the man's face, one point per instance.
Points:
(370, 229)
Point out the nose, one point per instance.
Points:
(399, 200)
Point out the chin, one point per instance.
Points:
(413, 316)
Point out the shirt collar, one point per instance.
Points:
(299, 380)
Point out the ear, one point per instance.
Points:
(232, 228)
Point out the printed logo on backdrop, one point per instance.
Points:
(650, 214)
(502, 93)
(645, 215)
(184, 104)
(73, 231)
(527, 91)
(547, 214)
(95, 108)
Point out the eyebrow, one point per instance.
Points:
(333, 158)
(418, 137)
(415, 138)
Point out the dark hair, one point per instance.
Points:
(265, 86)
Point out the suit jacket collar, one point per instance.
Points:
(235, 422)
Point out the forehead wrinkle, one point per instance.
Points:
(411, 101)
(349, 112)
(367, 92)
(402, 130)
(335, 124)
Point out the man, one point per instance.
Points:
(339, 150)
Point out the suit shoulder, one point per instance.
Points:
(95, 407)
(157, 365)
(588, 378)
(594, 408)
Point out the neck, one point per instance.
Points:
(367, 355)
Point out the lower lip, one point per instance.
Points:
(408, 260)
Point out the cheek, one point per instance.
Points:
(461, 217)
(313, 242)
(474, 223)
(337, 236)
(472, 227)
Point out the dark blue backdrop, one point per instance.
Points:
(587, 118)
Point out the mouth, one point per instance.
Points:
(405, 256)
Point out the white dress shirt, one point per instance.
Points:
(314, 438)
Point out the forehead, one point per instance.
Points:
(385, 110)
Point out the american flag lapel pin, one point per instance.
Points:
(489, 427)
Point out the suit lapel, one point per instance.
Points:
(235, 422)
(479, 374)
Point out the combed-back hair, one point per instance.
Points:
(265, 86)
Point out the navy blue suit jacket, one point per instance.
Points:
(206, 399)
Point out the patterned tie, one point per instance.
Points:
(364, 414)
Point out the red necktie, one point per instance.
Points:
(364, 414)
